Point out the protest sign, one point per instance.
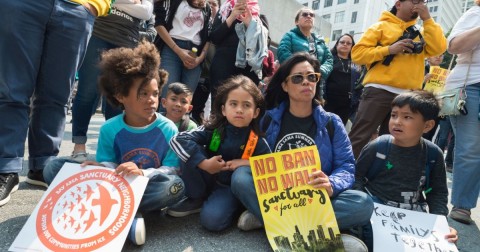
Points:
(84, 209)
(297, 216)
(396, 229)
(436, 82)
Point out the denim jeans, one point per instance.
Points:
(88, 94)
(352, 208)
(43, 44)
(221, 206)
(466, 164)
(176, 71)
(157, 195)
(442, 139)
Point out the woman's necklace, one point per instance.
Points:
(346, 69)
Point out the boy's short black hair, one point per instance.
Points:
(420, 101)
(179, 88)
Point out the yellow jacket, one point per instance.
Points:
(405, 71)
(102, 6)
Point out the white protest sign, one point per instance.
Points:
(396, 229)
(88, 208)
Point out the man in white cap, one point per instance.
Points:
(394, 51)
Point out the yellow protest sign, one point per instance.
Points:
(436, 81)
(297, 216)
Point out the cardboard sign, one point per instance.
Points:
(436, 83)
(85, 209)
(396, 229)
(297, 216)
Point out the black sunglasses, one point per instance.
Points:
(306, 14)
(298, 78)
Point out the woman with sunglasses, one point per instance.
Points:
(302, 39)
(340, 84)
(296, 119)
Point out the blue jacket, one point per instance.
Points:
(336, 156)
(294, 41)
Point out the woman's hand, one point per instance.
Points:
(237, 11)
(213, 165)
(188, 61)
(452, 236)
(246, 17)
(319, 179)
(128, 168)
(232, 165)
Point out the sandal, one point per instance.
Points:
(461, 215)
(80, 156)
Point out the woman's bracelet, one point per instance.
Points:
(173, 47)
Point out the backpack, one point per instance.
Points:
(381, 160)
(330, 127)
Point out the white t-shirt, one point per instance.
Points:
(187, 23)
(457, 77)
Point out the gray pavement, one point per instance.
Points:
(165, 233)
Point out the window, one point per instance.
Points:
(351, 32)
(435, 9)
(356, 1)
(336, 34)
(326, 17)
(339, 17)
(341, 1)
(354, 17)
(435, 19)
(305, 4)
(328, 3)
(316, 4)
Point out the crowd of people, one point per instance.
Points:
(149, 61)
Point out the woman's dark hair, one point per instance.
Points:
(334, 49)
(275, 94)
(121, 67)
(218, 120)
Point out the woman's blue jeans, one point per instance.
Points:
(466, 164)
(176, 71)
(88, 93)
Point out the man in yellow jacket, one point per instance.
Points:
(42, 44)
(394, 53)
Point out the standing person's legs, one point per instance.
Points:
(173, 65)
(466, 185)
(68, 32)
(443, 132)
(200, 97)
(21, 49)
(222, 68)
(220, 209)
(374, 107)
(450, 153)
(88, 94)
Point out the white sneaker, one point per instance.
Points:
(248, 221)
(137, 233)
(353, 244)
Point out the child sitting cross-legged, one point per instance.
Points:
(403, 169)
(214, 152)
(135, 142)
(177, 104)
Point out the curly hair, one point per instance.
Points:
(218, 120)
(121, 67)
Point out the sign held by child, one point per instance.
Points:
(85, 208)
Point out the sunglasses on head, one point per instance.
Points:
(298, 78)
(306, 14)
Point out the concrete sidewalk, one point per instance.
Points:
(165, 233)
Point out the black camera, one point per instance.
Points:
(410, 33)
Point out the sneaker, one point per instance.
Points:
(80, 156)
(137, 233)
(353, 244)
(36, 178)
(8, 185)
(248, 221)
(185, 207)
(461, 215)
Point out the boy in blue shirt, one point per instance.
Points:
(136, 142)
